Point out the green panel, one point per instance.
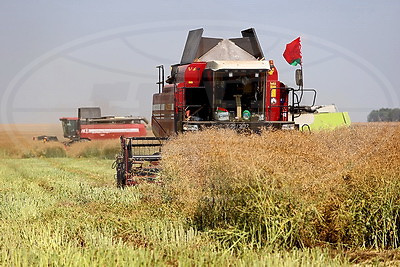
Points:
(329, 121)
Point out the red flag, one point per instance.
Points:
(292, 52)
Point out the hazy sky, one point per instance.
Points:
(58, 55)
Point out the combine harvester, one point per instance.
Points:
(223, 83)
(90, 125)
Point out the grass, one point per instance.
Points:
(279, 198)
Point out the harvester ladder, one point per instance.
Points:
(180, 98)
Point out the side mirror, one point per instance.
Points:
(299, 77)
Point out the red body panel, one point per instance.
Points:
(111, 131)
(194, 73)
(192, 78)
(276, 97)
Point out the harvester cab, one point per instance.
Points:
(70, 127)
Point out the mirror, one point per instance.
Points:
(299, 77)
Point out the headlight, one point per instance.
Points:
(288, 127)
(191, 127)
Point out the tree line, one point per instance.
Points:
(384, 114)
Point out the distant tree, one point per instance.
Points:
(384, 114)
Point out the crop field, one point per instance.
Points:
(280, 198)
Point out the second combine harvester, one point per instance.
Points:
(221, 83)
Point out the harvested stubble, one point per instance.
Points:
(289, 189)
(17, 145)
(20, 146)
(106, 149)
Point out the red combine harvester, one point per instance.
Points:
(223, 83)
(90, 125)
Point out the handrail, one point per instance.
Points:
(161, 79)
(294, 99)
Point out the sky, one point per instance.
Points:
(56, 56)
